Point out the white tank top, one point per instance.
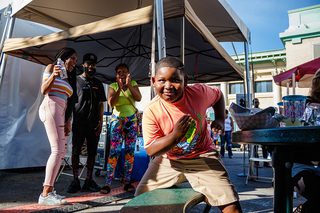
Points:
(227, 124)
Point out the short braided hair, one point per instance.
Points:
(172, 62)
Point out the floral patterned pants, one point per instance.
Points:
(122, 129)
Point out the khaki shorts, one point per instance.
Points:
(205, 173)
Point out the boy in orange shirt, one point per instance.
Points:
(175, 133)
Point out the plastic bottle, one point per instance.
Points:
(63, 72)
(137, 148)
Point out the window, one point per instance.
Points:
(263, 86)
(215, 85)
(316, 51)
(236, 88)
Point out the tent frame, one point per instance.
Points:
(158, 5)
(7, 33)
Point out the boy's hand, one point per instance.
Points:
(181, 128)
(218, 124)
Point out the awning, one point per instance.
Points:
(304, 74)
(126, 38)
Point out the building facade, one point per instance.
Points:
(302, 38)
(302, 44)
(263, 65)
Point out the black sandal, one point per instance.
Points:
(106, 188)
(299, 209)
(128, 186)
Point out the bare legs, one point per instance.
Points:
(231, 208)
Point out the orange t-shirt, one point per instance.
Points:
(159, 118)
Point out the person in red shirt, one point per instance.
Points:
(175, 133)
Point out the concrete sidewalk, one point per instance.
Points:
(21, 188)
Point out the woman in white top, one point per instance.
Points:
(228, 129)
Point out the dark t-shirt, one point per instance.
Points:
(72, 100)
(86, 110)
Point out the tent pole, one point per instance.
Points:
(153, 45)
(3, 59)
(160, 30)
(248, 102)
(182, 39)
(293, 83)
(157, 18)
(153, 51)
(5, 30)
(244, 174)
(252, 77)
(247, 73)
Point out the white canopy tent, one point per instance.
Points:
(122, 31)
(23, 140)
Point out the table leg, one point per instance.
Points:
(282, 202)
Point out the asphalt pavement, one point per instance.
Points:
(20, 189)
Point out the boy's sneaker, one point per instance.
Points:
(74, 186)
(51, 200)
(91, 185)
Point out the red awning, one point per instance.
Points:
(304, 74)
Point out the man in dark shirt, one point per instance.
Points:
(87, 122)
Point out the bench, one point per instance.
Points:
(179, 198)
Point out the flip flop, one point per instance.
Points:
(298, 209)
(106, 188)
(128, 186)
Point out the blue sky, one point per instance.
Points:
(265, 20)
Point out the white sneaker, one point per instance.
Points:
(58, 196)
(51, 200)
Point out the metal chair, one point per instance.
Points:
(68, 157)
(252, 174)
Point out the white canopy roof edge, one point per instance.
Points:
(139, 16)
(197, 23)
(242, 27)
